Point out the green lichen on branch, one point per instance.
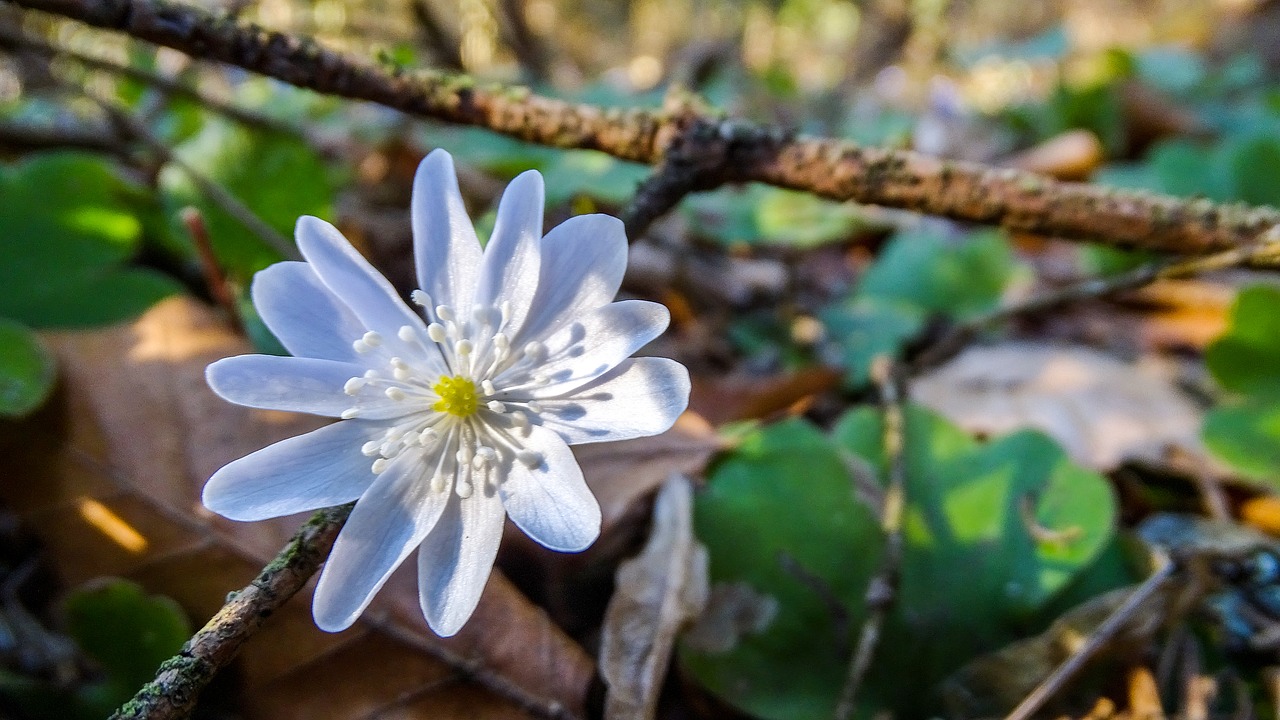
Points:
(180, 679)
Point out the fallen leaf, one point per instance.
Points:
(733, 609)
(723, 399)
(658, 593)
(619, 473)
(110, 473)
(1072, 155)
(1101, 410)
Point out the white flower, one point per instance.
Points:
(452, 422)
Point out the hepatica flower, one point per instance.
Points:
(453, 415)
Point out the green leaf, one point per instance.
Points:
(783, 498)
(761, 215)
(992, 534)
(1246, 435)
(1002, 526)
(67, 225)
(1246, 358)
(1253, 162)
(276, 176)
(26, 370)
(916, 275)
(871, 326)
(125, 631)
(958, 279)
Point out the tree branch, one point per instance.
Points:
(831, 168)
(181, 678)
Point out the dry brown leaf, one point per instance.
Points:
(724, 399)
(1072, 155)
(619, 473)
(109, 476)
(1101, 410)
(658, 592)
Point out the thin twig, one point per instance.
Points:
(216, 194)
(1062, 674)
(22, 136)
(181, 678)
(828, 167)
(883, 589)
(13, 38)
(1263, 252)
(214, 278)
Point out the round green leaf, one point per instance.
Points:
(26, 370)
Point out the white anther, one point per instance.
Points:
(371, 375)
(483, 314)
(379, 465)
(428, 437)
(541, 380)
(354, 385)
(464, 489)
(406, 333)
(502, 342)
(535, 351)
(519, 419)
(497, 407)
(437, 483)
(402, 374)
(371, 448)
(394, 434)
(372, 339)
(445, 313)
(395, 394)
(487, 387)
(361, 347)
(464, 455)
(436, 332)
(533, 406)
(505, 310)
(350, 413)
(420, 298)
(530, 458)
(464, 347)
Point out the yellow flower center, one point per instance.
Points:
(457, 396)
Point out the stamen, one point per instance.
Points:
(505, 309)
(395, 394)
(502, 342)
(407, 334)
(530, 458)
(371, 375)
(497, 407)
(354, 385)
(420, 298)
(487, 453)
(436, 332)
(401, 371)
(464, 489)
(487, 387)
(361, 347)
(350, 413)
(535, 351)
(372, 339)
(534, 406)
(464, 347)
(445, 313)
(379, 465)
(371, 448)
(428, 437)
(519, 419)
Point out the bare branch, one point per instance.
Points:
(831, 168)
(181, 678)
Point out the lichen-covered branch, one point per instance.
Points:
(828, 167)
(181, 678)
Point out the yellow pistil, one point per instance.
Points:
(457, 396)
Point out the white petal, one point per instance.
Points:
(510, 270)
(304, 314)
(445, 246)
(551, 502)
(388, 522)
(591, 346)
(583, 261)
(640, 397)
(319, 469)
(283, 383)
(455, 560)
(371, 298)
